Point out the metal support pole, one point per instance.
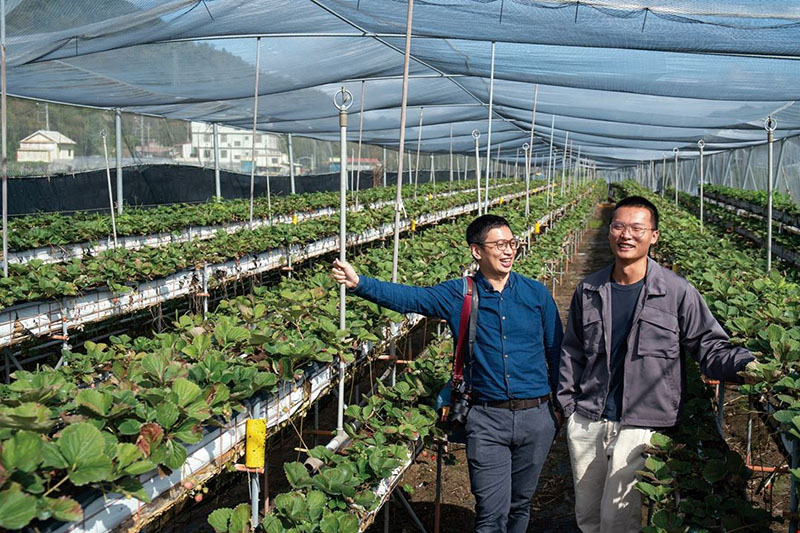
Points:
(360, 131)
(451, 155)
(663, 174)
(550, 175)
(747, 170)
(564, 163)
(118, 130)
(419, 147)
(343, 103)
(410, 510)
(701, 144)
(726, 177)
(433, 175)
(527, 148)
(217, 186)
(438, 499)
(255, 123)
(675, 151)
(795, 463)
(489, 133)
(384, 166)
(477, 135)
(110, 193)
(205, 290)
(770, 124)
(779, 166)
(291, 165)
(516, 165)
(4, 132)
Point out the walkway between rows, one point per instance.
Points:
(553, 506)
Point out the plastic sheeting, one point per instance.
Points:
(628, 81)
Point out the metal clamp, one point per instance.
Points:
(476, 134)
(770, 124)
(343, 99)
(701, 144)
(675, 150)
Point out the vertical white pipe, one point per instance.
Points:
(291, 165)
(663, 174)
(4, 133)
(360, 131)
(384, 166)
(489, 133)
(118, 130)
(419, 147)
(677, 178)
(403, 105)
(770, 125)
(255, 123)
(217, 186)
(433, 174)
(477, 135)
(342, 246)
(110, 193)
(451, 152)
(550, 175)
(701, 144)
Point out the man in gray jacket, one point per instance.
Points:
(622, 372)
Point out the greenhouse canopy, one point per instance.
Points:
(625, 81)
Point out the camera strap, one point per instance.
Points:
(467, 328)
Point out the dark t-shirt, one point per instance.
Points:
(623, 303)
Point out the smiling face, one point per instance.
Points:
(627, 245)
(494, 263)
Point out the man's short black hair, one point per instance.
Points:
(640, 201)
(478, 228)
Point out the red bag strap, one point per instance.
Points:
(463, 333)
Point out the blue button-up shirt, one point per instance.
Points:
(518, 338)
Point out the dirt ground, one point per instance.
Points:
(553, 505)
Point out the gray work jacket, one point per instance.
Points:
(670, 319)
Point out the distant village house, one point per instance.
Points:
(46, 146)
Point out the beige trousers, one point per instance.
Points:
(605, 457)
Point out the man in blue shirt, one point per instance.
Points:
(510, 425)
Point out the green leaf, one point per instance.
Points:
(316, 501)
(16, 508)
(240, 519)
(291, 505)
(64, 509)
(22, 452)
(219, 519)
(82, 446)
(176, 455)
(129, 426)
(186, 390)
(272, 524)
(95, 401)
(29, 416)
(167, 414)
(297, 475)
(659, 440)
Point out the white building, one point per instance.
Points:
(235, 149)
(46, 146)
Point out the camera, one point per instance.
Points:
(459, 405)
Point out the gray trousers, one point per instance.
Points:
(505, 453)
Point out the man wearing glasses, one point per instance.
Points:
(622, 372)
(510, 424)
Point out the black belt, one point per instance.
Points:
(516, 404)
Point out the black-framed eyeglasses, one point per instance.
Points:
(502, 244)
(637, 230)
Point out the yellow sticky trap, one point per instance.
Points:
(537, 229)
(501, 200)
(413, 225)
(676, 269)
(294, 218)
(430, 197)
(256, 433)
